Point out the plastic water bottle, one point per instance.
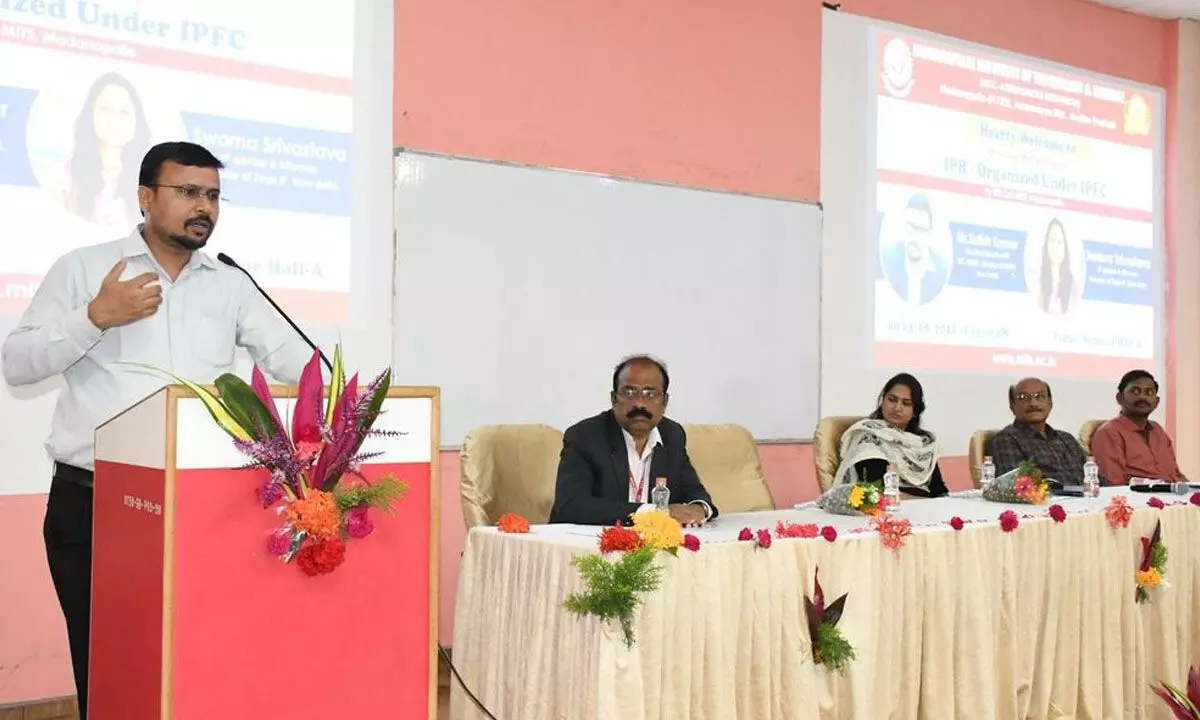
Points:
(1091, 478)
(661, 494)
(987, 472)
(891, 489)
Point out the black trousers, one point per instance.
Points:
(67, 532)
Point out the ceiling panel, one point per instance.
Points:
(1158, 8)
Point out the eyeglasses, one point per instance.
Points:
(630, 393)
(1024, 397)
(195, 192)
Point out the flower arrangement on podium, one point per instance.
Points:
(1024, 484)
(1149, 574)
(829, 647)
(626, 568)
(313, 473)
(860, 498)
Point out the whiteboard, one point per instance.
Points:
(517, 290)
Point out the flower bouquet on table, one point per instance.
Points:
(1024, 484)
(313, 472)
(860, 498)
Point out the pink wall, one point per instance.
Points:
(708, 93)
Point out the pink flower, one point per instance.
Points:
(956, 522)
(691, 542)
(1057, 514)
(278, 543)
(1155, 503)
(764, 538)
(829, 532)
(1196, 498)
(745, 534)
(1009, 521)
(358, 525)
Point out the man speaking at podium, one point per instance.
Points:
(150, 298)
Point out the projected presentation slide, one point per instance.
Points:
(1016, 217)
(87, 87)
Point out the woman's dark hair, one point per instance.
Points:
(1066, 280)
(86, 166)
(918, 402)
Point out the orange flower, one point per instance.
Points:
(315, 514)
(1118, 512)
(512, 523)
(619, 539)
(1148, 578)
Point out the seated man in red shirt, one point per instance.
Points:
(1131, 445)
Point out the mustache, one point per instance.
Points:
(639, 412)
(205, 219)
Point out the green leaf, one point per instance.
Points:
(337, 383)
(246, 407)
(832, 649)
(614, 588)
(215, 407)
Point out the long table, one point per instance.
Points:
(1040, 622)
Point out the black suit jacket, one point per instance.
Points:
(593, 472)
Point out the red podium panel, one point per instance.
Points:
(193, 619)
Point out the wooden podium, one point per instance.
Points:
(193, 619)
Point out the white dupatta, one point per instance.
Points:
(914, 456)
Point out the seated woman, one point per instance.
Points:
(892, 435)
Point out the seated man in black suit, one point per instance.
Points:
(609, 462)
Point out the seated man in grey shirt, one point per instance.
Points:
(1056, 452)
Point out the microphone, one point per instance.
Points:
(230, 262)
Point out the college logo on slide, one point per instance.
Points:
(1137, 115)
(897, 72)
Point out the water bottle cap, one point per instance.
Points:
(987, 458)
(660, 482)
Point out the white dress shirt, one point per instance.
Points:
(205, 312)
(639, 468)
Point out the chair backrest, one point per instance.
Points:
(726, 459)
(508, 468)
(827, 446)
(1085, 434)
(976, 450)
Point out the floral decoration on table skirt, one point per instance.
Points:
(761, 537)
(893, 531)
(512, 523)
(313, 471)
(1149, 574)
(1118, 512)
(1024, 484)
(1184, 704)
(861, 498)
(614, 586)
(829, 647)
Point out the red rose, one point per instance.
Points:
(691, 542)
(764, 538)
(1009, 521)
(1196, 498)
(829, 532)
(956, 522)
(1155, 503)
(1057, 514)
(745, 534)
(322, 557)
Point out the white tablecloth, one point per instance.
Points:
(1037, 623)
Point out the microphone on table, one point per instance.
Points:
(230, 262)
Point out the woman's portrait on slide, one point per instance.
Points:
(1057, 277)
(111, 136)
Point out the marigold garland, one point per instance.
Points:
(619, 539)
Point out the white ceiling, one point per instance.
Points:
(1170, 9)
